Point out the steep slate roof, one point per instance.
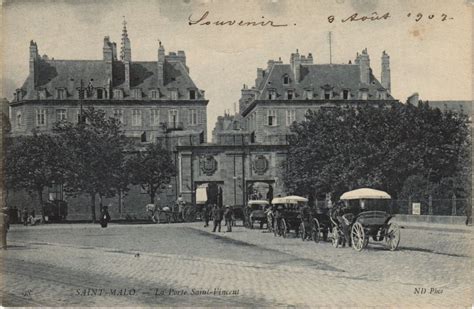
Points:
(53, 74)
(317, 77)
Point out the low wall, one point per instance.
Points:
(461, 220)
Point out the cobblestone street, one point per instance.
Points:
(186, 264)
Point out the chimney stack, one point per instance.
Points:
(126, 56)
(385, 76)
(295, 62)
(160, 65)
(364, 64)
(34, 56)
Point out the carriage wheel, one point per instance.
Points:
(302, 231)
(315, 231)
(284, 231)
(336, 239)
(392, 238)
(358, 236)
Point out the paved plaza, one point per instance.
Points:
(188, 265)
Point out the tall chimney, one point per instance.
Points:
(385, 76)
(160, 65)
(34, 56)
(295, 62)
(364, 64)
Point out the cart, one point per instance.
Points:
(372, 219)
(256, 212)
(287, 214)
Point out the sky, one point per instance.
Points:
(430, 56)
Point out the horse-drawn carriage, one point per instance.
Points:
(368, 218)
(287, 214)
(255, 211)
(315, 224)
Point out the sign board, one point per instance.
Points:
(416, 208)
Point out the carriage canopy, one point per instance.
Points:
(365, 193)
(292, 199)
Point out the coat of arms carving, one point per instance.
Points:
(260, 164)
(208, 165)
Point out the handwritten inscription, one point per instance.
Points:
(204, 20)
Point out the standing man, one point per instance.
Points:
(228, 214)
(4, 227)
(181, 203)
(105, 216)
(205, 214)
(217, 217)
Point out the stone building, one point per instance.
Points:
(154, 100)
(248, 156)
(150, 98)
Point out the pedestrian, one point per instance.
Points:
(228, 214)
(468, 212)
(105, 216)
(217, 218)
(205, 215)
(181, 203)
(4, 227)
(24, 216)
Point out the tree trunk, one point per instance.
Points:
(40, 198)
(93, 207)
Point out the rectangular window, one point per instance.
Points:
(272, 95)
(309, 94)
(272, 118)
(192, 94)
(174, 94)
(19, 119)
(137, 93)
(290, 117)
(364, 95)
(289, 94)
(61, 94)
(118, 114)
(42, 94)
(136, 117)
(154, 94)
(40, 117)
(61, 115)
(345, 94)
(193, 117)
(173, 118)
(155, 117)
(118, 94)
(100, 94)
(327, 94)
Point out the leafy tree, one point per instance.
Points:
(34, 163)
(151, 168)
(95, 154)
(344, 148)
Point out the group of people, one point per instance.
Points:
(216, 213)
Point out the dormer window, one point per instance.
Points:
(289, 94)
(363, 94)
(100, 94)
(154, 94)
(60, 94)
(118, 94)
(381, 94)
(271, 94)
(42, 94)
(192, 94)
(345, 94)
(174, 94)
(286, 79)
(327, 94)
(137, 93)
(308, 94)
